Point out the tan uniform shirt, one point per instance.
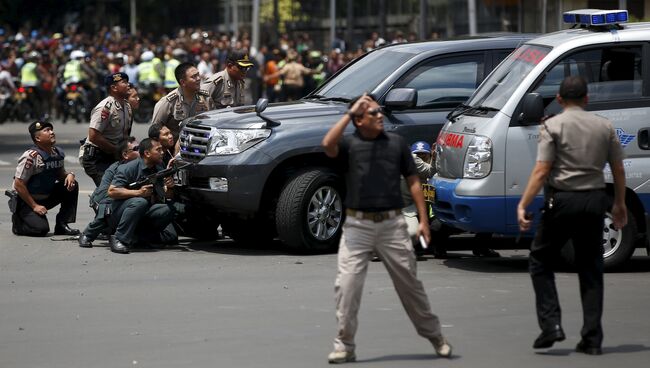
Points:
(578, 143)
(172, 109)
(224, 91)
(293, 74)
(112, 118)
(31, 163)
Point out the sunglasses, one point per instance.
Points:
(135, 148)
(375, 111)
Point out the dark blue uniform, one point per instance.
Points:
(141, 219)
(41, 172)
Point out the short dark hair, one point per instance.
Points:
(573, 88)
(154, 131)
(122, 147)
(145, 145)
(181, 69)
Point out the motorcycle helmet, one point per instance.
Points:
(77, 55)
(147, 56)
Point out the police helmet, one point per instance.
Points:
(147, 56)
(77, 55)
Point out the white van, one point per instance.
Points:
(487, 149)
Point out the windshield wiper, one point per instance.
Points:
(458, 111)
(315, 97)
(339, 99)
(464, 109)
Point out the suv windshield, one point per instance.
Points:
(364, 75)
(495, 91)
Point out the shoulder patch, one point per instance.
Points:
(204, 92)
(108, 105)
(218, 80)
(33, 153)
(171, 96)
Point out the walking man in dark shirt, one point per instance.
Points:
(374, 161)
(573, 149)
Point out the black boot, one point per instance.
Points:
(117, 246)
(64, 229)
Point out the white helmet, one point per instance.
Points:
(147, 56)
(77, 54)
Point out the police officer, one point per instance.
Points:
(141, 214)
(147, 73)
(110, 124)
(171, 81)
(185, 101)
(226, 88)
(41, 183)
(100, 202)
(573, 149)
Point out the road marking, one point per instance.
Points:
(4, 163)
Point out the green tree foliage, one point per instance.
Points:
(288, 11)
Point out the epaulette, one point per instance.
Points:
(171, 96)
(32, 153)
(203, 92)
(218, 80)
(108, 104)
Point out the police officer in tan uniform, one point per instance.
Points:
(573, 149)
(41, 183)
(183, 102)
(110, 124)
(227, 87)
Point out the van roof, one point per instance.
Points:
(591, 35)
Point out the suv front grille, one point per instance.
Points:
(194, 141)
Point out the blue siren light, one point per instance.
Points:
(595, 17)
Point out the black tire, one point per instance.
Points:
(618, 244)
(306, 218)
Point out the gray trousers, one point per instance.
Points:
(389, 239)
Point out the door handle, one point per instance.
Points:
(644, 138)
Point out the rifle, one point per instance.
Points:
(151, 179)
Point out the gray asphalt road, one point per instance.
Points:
(220, 305)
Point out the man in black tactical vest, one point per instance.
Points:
(40, 183)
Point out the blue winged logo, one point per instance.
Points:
(623, 137)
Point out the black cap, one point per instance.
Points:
(38, 126)
(114, 78)
(239, 58)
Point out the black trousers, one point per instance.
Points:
(96, 166)
(136, 220)
(27, 222)
(577, 216)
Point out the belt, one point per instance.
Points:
(373, 216)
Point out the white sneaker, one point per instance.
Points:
(443, 348)
(338, 357)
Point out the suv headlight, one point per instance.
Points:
(232, 141)
(478, 158)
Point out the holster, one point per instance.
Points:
(90, 152)
(13, 200)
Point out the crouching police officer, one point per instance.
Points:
(41, 183)
(141, 214)
(100, 202)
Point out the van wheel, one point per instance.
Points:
(309, 215)
(618, 245)
(255, 233)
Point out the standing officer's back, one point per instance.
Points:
(573, 149)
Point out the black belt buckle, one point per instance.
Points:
(378, 217)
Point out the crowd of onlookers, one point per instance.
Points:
(112, 49)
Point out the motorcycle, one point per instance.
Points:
(74, 103)
(149, 95)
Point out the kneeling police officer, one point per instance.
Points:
(40, 183)
(141, 213)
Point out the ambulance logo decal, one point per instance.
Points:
(623, 137)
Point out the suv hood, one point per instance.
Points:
(244, 117)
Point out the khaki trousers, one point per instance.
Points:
(389, 239)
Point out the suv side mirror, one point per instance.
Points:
(533, 109)
(261, 105)
(401, 98)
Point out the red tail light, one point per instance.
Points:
(21, 89)
(73, 87)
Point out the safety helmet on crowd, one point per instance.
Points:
(420, 147)
(147, 56)
(34, 55)
(77, 54)
(178, 52)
